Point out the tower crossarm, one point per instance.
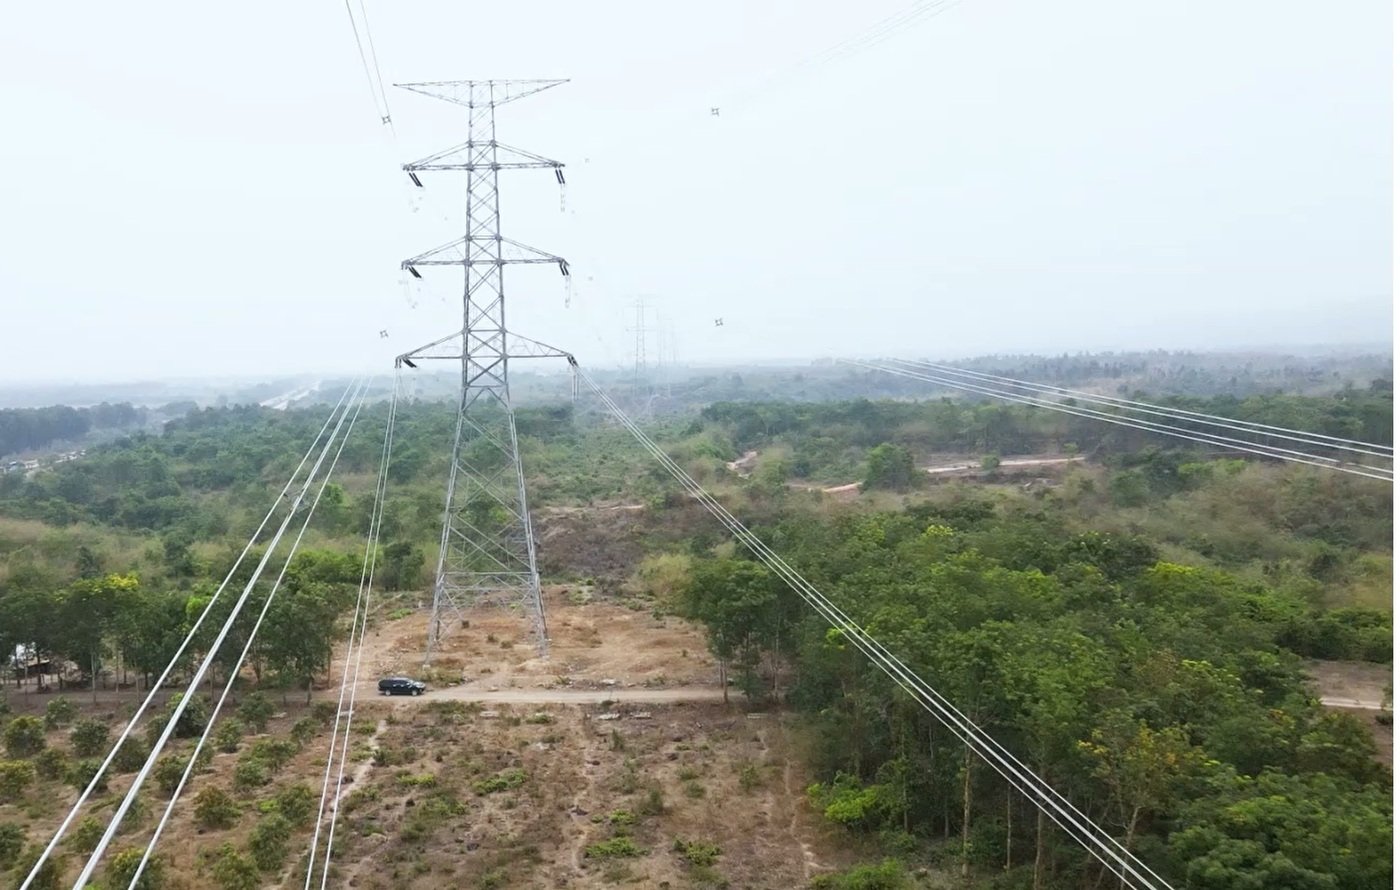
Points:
(470, 156)
(475, 93)
(483, 250)
(450, 348)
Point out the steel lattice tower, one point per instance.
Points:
(487, 550)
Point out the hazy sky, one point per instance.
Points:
(192, 188)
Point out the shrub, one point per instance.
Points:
(273, 752)
(249, 774)
(622, 818)
(192, 720)
(168, 772)
(613, 848)
(51, 763)
(15, 778)
(888, 875)
(82, 771)
(123, 869)
(60, 712)
(24, 737)
(436, 810)
(268, 842)
(89, 737)
(749, 777)
(131, 756)
(511, 778)
(297, 804)
(228, 735)
(304, 730)
(234, 871)
(49, 875)
(11, 844)
(654, 804)
(85, 837)
(255, 711)
(324, 712)
(697, 852)
(214, 808)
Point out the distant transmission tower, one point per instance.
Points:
(487, 551)
(639, 356)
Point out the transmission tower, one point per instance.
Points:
(487, 550)
(639, 355)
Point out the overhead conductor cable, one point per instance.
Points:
(179, 653)
(1126, 866)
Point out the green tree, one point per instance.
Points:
(50, 873)
(89, 737)
(131, 756)
(124, 865)
(87, 834)
(15, 777)
(168, 771)
(255, 710)
(234, 871)
(300, 630)
(890, 466)
(81, 774)
(740, 605)
(11, 844)
(214, 808)
(51, 763)
(86, 613)
(268, 842)
(297, 804)
(59, 712)
(229, 735)
(24, 737)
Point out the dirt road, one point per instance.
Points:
(969, 467)
(573, 696)
(1329, 701)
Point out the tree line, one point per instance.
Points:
(27, 429)
(102, 628)
(1167, 701)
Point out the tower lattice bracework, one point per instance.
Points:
(487, 549)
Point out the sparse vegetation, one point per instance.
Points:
(511, 778)
(619, 846)
(697, 852)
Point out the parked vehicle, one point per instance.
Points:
(401, 686)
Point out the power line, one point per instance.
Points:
(374, 58)
(247, 646)
(871, 36)
(1248, 426)
(361, 617)
(179, 652)
(1148, 426)
(1106, 849)
(364, 62)
(208, 660)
